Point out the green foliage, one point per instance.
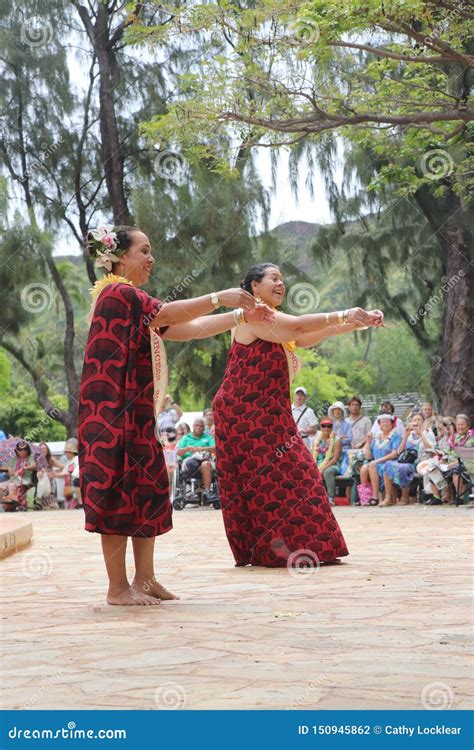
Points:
(320, 380)
(5, 374)
(391, 76)
(379, 368)
(20, 415)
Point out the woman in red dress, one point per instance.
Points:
(123, 475)
(275, 506)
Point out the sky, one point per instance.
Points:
(284, 206)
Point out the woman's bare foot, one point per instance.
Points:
(130, 596)
(154, 589)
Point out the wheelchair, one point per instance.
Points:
(191, 492)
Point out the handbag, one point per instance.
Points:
(408, 456)
(364, 492)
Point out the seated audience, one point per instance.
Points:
(196, 449)
(327, 452)
(343, 429)
(360, 424)
(420, 442)
(182, 429)
(378, 450)
(22, 471)
(388, 408)
(208, 417)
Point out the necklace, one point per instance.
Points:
(111, 278)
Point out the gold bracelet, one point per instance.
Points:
(339, 318)
(345, 316)
(239, 316)
(327, 319)
(242, 316)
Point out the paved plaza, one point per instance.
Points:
(390, 627)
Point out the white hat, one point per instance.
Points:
(337, 405)
(303, 390)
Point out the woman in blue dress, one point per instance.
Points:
(378, 450)
(402, 474)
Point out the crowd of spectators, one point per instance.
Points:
(384, 461)
(377, 462)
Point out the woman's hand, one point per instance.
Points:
(237, 298)
(261, 314)
(365, 318)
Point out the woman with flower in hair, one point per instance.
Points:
(123, 476)
(275, 506)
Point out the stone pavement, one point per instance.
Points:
(388, 628)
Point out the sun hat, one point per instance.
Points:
(337, 405)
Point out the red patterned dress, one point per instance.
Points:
(123, 477)
(274, 502)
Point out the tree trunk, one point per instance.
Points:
(111, 146)
(452, 368)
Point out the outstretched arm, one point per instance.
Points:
(185, 310)
(211, 325)
(307, 340)
(313, 327)
(200, 328)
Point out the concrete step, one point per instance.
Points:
(16, 532)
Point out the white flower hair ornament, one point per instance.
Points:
(103, 247)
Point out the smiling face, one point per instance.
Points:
(137, 262)
(462, 425)
(198, 427)
(385, 425)
(271, 287)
